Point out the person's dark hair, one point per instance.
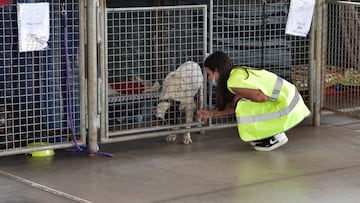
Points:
(219, 61)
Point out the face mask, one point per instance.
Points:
(214, 83)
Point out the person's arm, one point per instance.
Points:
(250, 94)
(219, 113)
(206, 114)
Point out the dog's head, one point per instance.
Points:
(161, 109)
(168, 111)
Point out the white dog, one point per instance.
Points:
(179, 88)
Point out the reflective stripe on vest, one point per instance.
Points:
(270, 116)
(277, 88)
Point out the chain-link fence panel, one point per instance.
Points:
(342, 65)
(252, 33)
(144, 46)
(39, 91)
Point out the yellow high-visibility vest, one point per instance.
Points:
(259, 120)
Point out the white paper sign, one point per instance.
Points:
(299, 18)
(33, 26)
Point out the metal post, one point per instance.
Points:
(102, 68)
(92, 75)
(208, 90)
(318, 62)
(82, 72)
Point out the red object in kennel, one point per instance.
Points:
(4, 2)
(128, 87)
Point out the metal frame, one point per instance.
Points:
(42, 116)
(341, 62)
(252, 33)
(167, 41)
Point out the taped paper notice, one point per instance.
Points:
(33, 26)
(299, 18)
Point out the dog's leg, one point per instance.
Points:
(189, 110)
(171, 138)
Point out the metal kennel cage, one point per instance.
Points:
(252, 33)
(341, 67)
(142, 46)
(35, 86)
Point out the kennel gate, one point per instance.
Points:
(253, 34)
(342, 60)
(142, 45)
(33, 87)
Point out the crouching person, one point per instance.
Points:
(265, 105)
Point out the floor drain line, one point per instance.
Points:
(44, 188)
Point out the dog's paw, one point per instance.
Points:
(187, 139)
(171, 138)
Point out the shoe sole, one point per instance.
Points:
(254, 143)
(275, 146)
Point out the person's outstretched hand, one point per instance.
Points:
(204, 114)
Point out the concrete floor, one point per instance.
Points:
(317, 165)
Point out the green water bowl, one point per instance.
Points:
(41, 153)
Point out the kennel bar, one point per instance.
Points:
(142, 45)
(158, 133)
(92, 74)
(317, 56)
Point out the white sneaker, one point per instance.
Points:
(272, 143)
